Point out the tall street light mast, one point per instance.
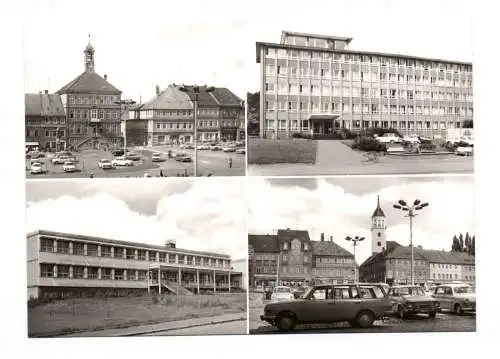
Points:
(355, 241)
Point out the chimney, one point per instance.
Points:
(170, 243)
(157, 90)
(322, 237)
(105, 77)
(331, 238)
(46, 92)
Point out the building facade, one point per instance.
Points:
(68, 263)
(316, 84)
(291, 258)
(45, 121)
(170, 116)
(93, 109)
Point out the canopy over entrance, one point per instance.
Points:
(324, 124)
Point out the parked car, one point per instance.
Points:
(298, 292)
(240, 151)
(413, 139)
(118, 153)
(216, 148)
(36, 168)
(282, 293)
(229, 149)
(203, 147)
(358, 304)
(133, 156)
(105, 164)
(408, 299)
(59, 160)
(388, 138)
(156, 157)
(456, 297)
(122, 161)
(185, 158)
(69, 166)
(189, 147)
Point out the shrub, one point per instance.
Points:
(301, 135)
(379, 131)
(366, 143)
(427, 146)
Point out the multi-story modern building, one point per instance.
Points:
(77, 264)
(292, 258)
(170, 116)
(316, 84)
(93, 108)
(391, 262)
(45, 121)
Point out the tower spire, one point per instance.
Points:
(89, 57)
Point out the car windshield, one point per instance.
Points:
(411, 291)
(282, 290)
(462, 290)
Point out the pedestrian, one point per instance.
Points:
(230, 162)
(185, 172)
(91, 174)
(209, 174)
(161, 173)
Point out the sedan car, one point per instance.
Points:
(229, 149)
(413, 139)
(216, 148)
(358, 304)
(133, 156)
(456, 297)
(408, 299)
(203, 147)
(241, 151)
(36, 168)
(59, 160)
(122, 161)
(156, 157)
(69, 167)
(281, 293)
(105, 164)
(389, 138)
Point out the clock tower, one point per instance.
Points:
(378, 229)
(89, 57)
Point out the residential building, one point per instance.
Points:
(316, 84)
(136, 128)
(45, 121)
(450, 266)
(170, 116)
(60, 263)
(93, 109)
(291, 258)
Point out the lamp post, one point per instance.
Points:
(355, 241)
(124, 103)
(195, 92)
(411, 209)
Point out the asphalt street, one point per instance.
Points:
(228, 328)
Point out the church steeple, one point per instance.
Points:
(378, 229)
(89, 57)
(378, 211)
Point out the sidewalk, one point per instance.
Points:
(174, 325)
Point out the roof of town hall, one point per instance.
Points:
(89, 82)
(42, 104)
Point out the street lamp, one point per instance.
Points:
(411, 209)
(354, 241)
(195, 91)
(124, 103)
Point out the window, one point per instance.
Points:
(46, 270)
(46, 245)
(78, 272)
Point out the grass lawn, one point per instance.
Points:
(264, 151)
(86, 314)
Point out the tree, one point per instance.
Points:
(467, 242)
(253, 115)
(461, 242)
(473, 246)
(455, 247)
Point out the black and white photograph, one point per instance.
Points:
(354, 255)
(118, 104)
(139, 257)
(336, 99)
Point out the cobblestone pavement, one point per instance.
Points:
(444, 322)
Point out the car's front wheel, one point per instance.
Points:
(364, 319)
(285, 322)
(432, 315)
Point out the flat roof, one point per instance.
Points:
(316, 36)
(124, 243)
(355, 52)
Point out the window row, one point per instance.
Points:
(94, 114)
(48, 133)
(331, 260)
(45, 121)
(333, 271)
(368, 59)
(446, 266)
(295, 270)
(444, 276)
(95, 250)
(92, 99)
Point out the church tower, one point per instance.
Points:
(89, 57)
(379, 228)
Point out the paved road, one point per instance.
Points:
(215, 163)
(336, 158)
(229, 328)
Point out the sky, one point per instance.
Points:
(343, 207)
(207, 215)
(154, 42)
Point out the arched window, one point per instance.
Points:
(296, 246)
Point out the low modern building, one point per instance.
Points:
(45, 121)
(316, 84)
(291, 258)
(170, 116)
(59, 263)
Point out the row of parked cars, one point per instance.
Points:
(393, 138)
(361, 304)
(235, 146)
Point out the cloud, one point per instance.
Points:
(209, 216)
(328, 208)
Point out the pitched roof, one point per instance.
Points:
(435, 256)
(390, 246)
(225, 97)
(327, 248)
(404, 252)
(89, 82)
(378, 211)
(43, 105)
(289, 234)
(263, 242)
(204, 98)
(169, 99)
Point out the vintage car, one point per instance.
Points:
(105, 164)
(36, 168)
(122, 161)
(456, 297)
(389, 138)
(69, 166)
(358, 304)
(281, 293)
(410, 299)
